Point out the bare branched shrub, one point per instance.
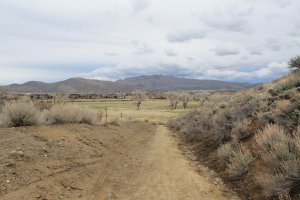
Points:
(239, 163)
(173, 100)
(68, 113)
(138, 97)
(184, 98)
(19, 113)
(3, 95)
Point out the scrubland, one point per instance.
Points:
(251, 138)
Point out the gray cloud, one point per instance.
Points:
(229, 18)
(185, 36)
(170, 52)
(140, 5)
(226, 50)
(142, 48)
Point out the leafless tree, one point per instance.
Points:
(173, 100)
(138, 97)
(3, 96)
(184, 98)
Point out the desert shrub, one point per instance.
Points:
(239, 163)
(288, 116)
(265, 118)
(19, 113)
(281, 151)
(279, 88)
(225, 152)
(68, 113)
(242, 129)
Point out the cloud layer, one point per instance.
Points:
(236, 40)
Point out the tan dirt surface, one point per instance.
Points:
(134, 160)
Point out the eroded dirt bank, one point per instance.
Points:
(135, 160)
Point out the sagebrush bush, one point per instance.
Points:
(288, 84)
(288, 116)
(19, 113)
(239, 163)
(225, 152)
(68, 113)
(281, 151)
(242, 129)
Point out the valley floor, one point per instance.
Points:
(135, 160)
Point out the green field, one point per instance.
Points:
(151, 110)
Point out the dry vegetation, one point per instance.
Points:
(25, 113)
(251, 137)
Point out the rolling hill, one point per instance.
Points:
(151, 82)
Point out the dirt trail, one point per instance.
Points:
(166, 174)
(141, 163)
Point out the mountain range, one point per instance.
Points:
(151, 82)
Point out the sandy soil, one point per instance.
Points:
(135, 160)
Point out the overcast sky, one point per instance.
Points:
(233, 40)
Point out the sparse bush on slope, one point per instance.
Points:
(221, 134)
(19, 113)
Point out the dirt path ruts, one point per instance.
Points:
(144, 165)
(163, 173)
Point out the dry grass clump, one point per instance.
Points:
(68, 113)
(19, 113)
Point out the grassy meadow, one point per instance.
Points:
(152, 110)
